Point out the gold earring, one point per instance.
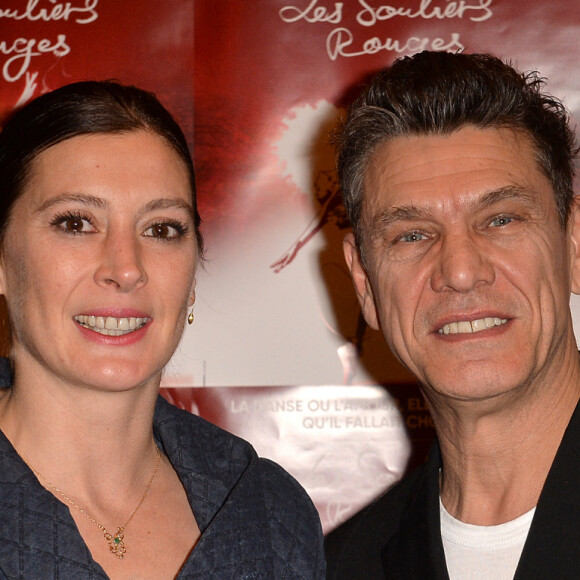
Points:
(190, 318)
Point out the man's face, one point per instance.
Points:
(468, 272)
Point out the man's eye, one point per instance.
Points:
(413, 237)
(165, 231)
(501, 220)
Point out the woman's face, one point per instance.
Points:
(99, 260)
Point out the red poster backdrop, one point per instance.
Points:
(270, 78)
(47, 43)
(257, 87)
(275, 304)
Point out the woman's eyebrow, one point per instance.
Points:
(97, 202)
(82, 198)
(168, 203)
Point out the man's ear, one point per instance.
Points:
(360, 280)
(575, 246)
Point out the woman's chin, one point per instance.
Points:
(120, 379)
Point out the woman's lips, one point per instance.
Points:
(111, 325)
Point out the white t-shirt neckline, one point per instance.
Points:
(483, 552)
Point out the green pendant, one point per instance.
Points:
(116, 544)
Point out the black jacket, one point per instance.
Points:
(399, 535)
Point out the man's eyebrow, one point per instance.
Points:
(82, 198)
(411, 212)
(509, 192)
(400, 213)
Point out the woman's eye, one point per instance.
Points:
(165, 231)
(73, 224)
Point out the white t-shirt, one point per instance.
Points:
(483, 552)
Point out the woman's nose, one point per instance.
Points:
(462, 265)
(121, 265)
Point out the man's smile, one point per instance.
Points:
(471, 326)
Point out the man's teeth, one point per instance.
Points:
(109, 325)
(466, 326)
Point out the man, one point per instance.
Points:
(457, 173)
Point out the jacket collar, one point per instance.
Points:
(416, 550)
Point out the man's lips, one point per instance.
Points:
(111, 325)
(471, 326)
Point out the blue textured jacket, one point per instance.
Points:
(256, 520)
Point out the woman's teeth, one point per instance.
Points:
(466, 326)
(109, 325)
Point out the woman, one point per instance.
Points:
(99, 477)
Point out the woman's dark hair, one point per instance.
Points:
(82, 108)
(436, 93)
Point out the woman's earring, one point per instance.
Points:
(191, 317)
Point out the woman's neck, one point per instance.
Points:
(97, 446)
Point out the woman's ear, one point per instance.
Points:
(2, 276)
(192, 295)
(360, 280)
(575, 246)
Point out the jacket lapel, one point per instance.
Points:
(416, 550)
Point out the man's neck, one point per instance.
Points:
(496, 458)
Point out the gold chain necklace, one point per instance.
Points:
(116, 543)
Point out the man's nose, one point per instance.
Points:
(462, 264)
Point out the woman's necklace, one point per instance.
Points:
(116, 543)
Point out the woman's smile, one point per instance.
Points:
(110, 325)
